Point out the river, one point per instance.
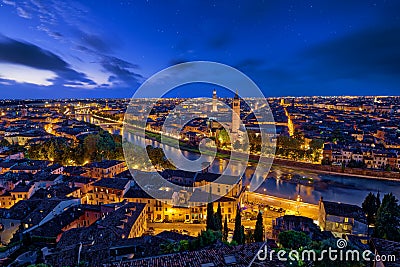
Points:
(338, 188)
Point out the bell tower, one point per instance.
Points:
(214, 101)
(235, 113)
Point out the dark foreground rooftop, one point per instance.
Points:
(238, 256)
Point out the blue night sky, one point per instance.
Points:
(58, 49)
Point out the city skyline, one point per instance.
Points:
(107, 49)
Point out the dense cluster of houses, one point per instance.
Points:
(364, 130)
(55, 199)
(99, 212)
(370, 158)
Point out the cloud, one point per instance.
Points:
(77, 32)
(30, 55)
(23, 14)
(5, 81)
(24, 74)
(54, 34)
(121, 71)
(10, 3)
(94, 41)
(45, 13)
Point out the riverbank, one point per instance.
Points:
(333, 170)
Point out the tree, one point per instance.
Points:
(218, 218)
(287, 142)
(259, 230)
(242, 235)
(184, 245)
(136, 156)
(226, 229)
(170, 247)
(90, 147)
(293, 239)
(223, 138)
(378, 200)
(387, 223)
(210, 217)
(158, 158)
(254, 141)
(370, 208)
(238, 233)
(205, 238)
(317, 144)
(249, 237)
(298, 136)
(321, 247)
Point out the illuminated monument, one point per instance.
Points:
(235, 117)
(214, 101)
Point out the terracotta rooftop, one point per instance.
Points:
(239, 256)
(103, 164)
(386, 247)
(344, 210)
(115, 183)
(54, 227)
(114, 226)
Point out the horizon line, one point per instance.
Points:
(179, 97)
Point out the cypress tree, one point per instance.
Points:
(242, 235)
(238, 233)
(218, 218)
(210, 213)
(259, 230)
(370, 208)
(210, 217)
(226, 229)
(378, 200)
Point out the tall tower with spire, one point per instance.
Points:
(235, 117)
(214, 101)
